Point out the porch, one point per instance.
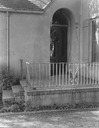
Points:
(61, 84)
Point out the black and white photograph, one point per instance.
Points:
(49, 63)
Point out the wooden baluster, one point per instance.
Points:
(49, 67)
(39, 76)
(53, 81)
(87, 74)
(69, 73)
(78, 73)
(62, 74)
(81, 74)
(98, 72)
(59, 74)
(66, 75)
(56, 74)
(84, 73)
(73, 73)
(21, 69)
(90, 74)
(93, 75)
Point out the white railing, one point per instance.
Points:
(62, 74)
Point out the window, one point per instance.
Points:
(95, 40)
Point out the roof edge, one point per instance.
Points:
(48, 5)
(21, 11)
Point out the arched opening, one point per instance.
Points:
(60, 34)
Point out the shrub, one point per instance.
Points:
(14, 108)
(28, 106)
(4, 110)
(21, 105)
(8, 80)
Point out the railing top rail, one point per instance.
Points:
(80, 63)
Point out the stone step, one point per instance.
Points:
(14, 95)
(17, 89)
(18, 93)
(7, 96)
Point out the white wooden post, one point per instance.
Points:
(21, 69)
(28, 80)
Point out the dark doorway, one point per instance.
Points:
(59, 39)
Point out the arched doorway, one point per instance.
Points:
(59, 37)
(60, 34)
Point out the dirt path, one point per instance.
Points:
(52, 120)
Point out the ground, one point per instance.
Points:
(89, 119)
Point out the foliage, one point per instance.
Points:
(4, 109)
(15, 107)
(8, 80)
(28, 106)
(94, 8)
(21, 107)
(73, 106)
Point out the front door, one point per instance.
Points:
(58, 46)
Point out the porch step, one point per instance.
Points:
(7, 97)
(14, 95)
(18, 93)
(17, 89)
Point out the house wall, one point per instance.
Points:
(85, 44)
(3, 41)
(86, 31)
(29, 35)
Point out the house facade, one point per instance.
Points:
(60, 33)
